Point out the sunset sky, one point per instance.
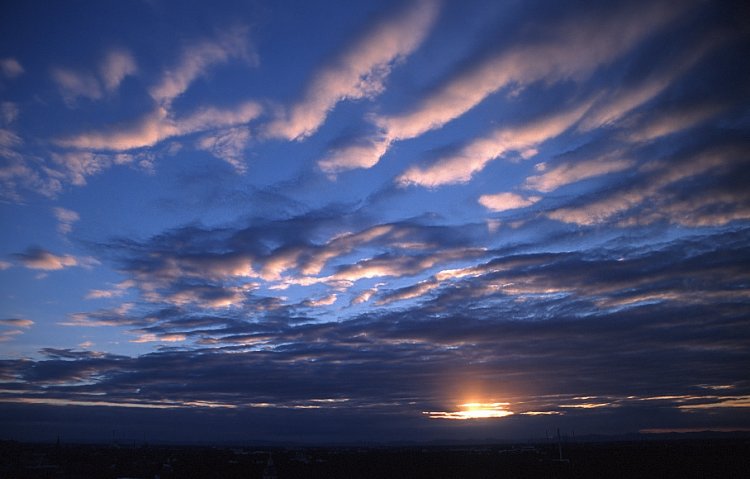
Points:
(327, 221)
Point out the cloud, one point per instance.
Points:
(118, 316)
(5, 265)
(16, 322)
(573, 171)
(78, 165)
(455, 345)
(37, 258)
(9, 112)
(119, 290)
(10, 334)
(65, 219)
(73, 84)
(618, 103)
(117, 65)
(16, 170)
(364, 153)
(195, 61)
(228, 145)
(603, 37)
(400, 361)
(655, 186)
(359, 72)
(409, 292)
(324, 301)
(663, 123)
(167, 338)
(161, 125)
(474, 156)
(11, 68)
(553, 55)
(506, 201)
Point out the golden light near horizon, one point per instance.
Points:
(473, 410)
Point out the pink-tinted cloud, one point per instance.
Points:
(74, 84)
(9, 112)
(662, 124)
(472, 158)
(16, 322)
(227, 145)
(39, 259)
(324, 301)
(662, 174)
(618, 103)
(11, 68)
(571, 172)
(165, 338)
(364, 154)
(197, 58)
(161, 125)
(507, 201)
(65, 219)
(117, 65)
(359, 72)
(573, 49)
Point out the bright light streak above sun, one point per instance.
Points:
(473, 410)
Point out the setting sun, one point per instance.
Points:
(473, 410)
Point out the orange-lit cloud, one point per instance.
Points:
(473, 411)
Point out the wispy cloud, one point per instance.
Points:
(153, 338)
(119, 290)
(228, 145)
(506, 201)
(555, 55)
(324, 301)
(197, 58)
(360, 71)
(573, 171)
(474, 156)
(65, 219)
(656, 185)
(117, 65)
(618, 103)
(9, 112)
(40, 259)
(663, 123)
(74, 84)
(16, 322)
(161, 125)
(37, 258)
(11, 68)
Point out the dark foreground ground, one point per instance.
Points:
(716, 458)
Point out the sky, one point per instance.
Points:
(332, 221)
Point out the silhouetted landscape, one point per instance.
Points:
(665, 457)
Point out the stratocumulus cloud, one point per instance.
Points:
(475, 155)
(603, 37)
(159, 125)
(373, 221)
(360, 71)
